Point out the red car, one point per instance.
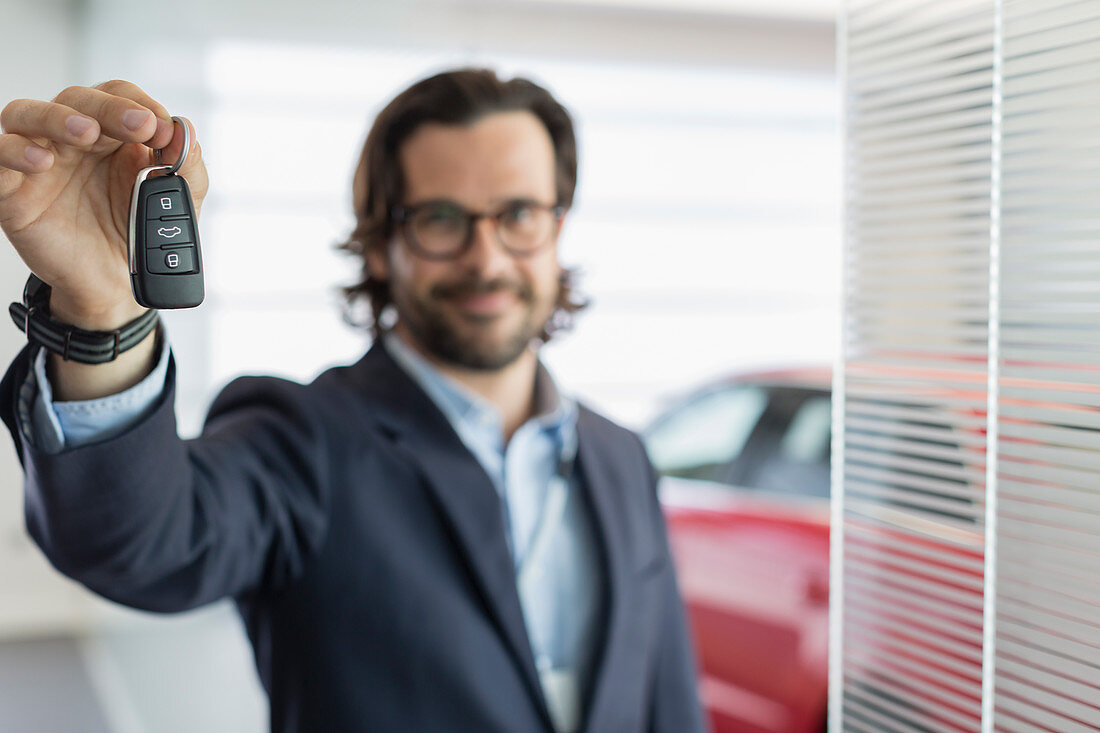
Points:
(745, 466)
(745, 485)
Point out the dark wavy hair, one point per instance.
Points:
(457, 97)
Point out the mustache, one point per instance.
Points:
(468, 287)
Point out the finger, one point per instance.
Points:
(55, 122)
(118, 116)
(129, 90)
(21, 154)
(10, 181)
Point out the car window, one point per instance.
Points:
(798, 463)
(701, 438)
(807, 437)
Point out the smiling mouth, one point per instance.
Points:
(492, 303)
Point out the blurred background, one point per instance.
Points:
(707, 225)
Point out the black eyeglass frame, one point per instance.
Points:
(403, 215)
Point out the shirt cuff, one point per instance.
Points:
(56, 426)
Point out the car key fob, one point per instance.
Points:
(163, 243)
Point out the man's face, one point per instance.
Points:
(482, 309)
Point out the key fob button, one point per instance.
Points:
(172, 261)
(163, 242)
(168, 203)
(159, 233)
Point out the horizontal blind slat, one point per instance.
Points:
(1085, 717)
(1049, 720)
(1049, 662)
(918, 173)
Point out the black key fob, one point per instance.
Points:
(165, 259)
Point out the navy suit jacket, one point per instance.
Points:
(365, 548)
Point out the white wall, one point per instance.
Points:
(577, 29)
(37, 60)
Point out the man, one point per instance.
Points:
(432, 539)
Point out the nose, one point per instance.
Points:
(485, 252)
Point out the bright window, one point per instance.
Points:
(705, 221)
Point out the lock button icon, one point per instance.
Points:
(176, 261)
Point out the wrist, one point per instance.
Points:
(75, 381)
(101, 317)
(97, 344)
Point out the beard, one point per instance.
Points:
(469, 340)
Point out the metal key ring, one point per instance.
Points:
(183, 153)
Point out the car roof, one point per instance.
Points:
(812, 377)
(807, 377)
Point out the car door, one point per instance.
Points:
(750, 538)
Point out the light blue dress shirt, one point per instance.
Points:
(560, 592)
(55, 426)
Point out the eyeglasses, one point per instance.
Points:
(444, 230)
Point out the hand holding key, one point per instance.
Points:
(163, 239)
(67, 172)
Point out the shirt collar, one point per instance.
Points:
(554, 411)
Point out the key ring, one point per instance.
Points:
(183, 152)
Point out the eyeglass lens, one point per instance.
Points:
(445, 228)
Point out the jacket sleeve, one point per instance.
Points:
(674, 700)
(162, 524)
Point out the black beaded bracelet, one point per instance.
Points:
(32, 316)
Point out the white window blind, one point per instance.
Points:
(919, 100)
(1048, 479)
(967, 597)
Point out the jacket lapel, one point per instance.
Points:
(463, 492)
(617, 654)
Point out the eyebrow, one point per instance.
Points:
(494, 204)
